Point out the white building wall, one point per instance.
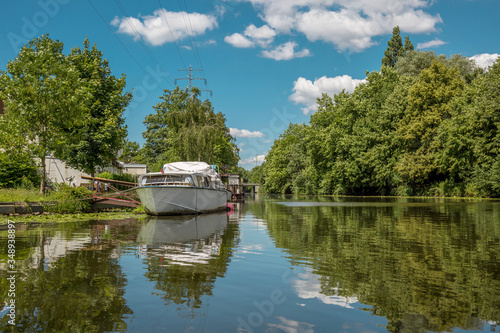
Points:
(135, 169)
(58, 172)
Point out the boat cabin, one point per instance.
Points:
(178, 179)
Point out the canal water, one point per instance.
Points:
(274, 264)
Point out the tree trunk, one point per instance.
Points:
(42, 183)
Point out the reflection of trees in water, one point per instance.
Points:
(424, 267)
(77, 287)
(185, 272)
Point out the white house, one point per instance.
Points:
(58, 172)
(134, 168)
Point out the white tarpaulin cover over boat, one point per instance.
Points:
(190, 167)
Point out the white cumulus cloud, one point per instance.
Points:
(348, 24)
(485, 60)
(262, 36)
(238, 40)
(433, 43)
(255, 160)
(243, 133)
(285, 51)
(156, 31)
(306, 92)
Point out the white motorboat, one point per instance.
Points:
(182, 188)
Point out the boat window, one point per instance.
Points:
(168, 179)
(188, 180)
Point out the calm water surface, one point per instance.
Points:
(275, 265)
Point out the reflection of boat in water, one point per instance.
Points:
(180, 229)
(183, 240)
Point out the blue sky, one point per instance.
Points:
(265, 61)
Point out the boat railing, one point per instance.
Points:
(158, 183)
(175, 180)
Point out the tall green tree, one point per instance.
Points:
(471, 137)
(43, 97)
(184, 128)
(429, 104)
(395, 48)
(130, 152)
(427, 126)
(286, 161)
(98, 139)
(414, 62)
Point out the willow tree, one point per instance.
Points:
(184, 128)
(42, 96)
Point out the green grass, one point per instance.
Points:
(61, 218)
(11, 195)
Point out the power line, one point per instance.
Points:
(121, 43)
(194, 43)
(192, 78)
(171, 34)
(190, 33)
(148, 51)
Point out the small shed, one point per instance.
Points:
(235, 185)
(134, 168)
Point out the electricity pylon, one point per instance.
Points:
(192, 78)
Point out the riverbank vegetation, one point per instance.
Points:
(185, 128)
(425, 124)
(71, 107)
(64, 199)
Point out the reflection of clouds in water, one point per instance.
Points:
(253, 222)
(356, 327)
(308, 285)
(292, 326)
(252, 249)
(188, 254)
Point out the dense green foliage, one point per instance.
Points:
(67, 105)
(42, 98)
(130, 151)
(96, 141)
(125, 177)
(396, 49)
(18, 171)
(186, 129)
(118, 176)
(429, 125)
(68, 199)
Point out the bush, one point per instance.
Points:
(124, 177)
(18, 171)
(70, 200)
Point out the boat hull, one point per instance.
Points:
(177, 200)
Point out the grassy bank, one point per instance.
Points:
(61, 218)
(65, 199)
(12, 195)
